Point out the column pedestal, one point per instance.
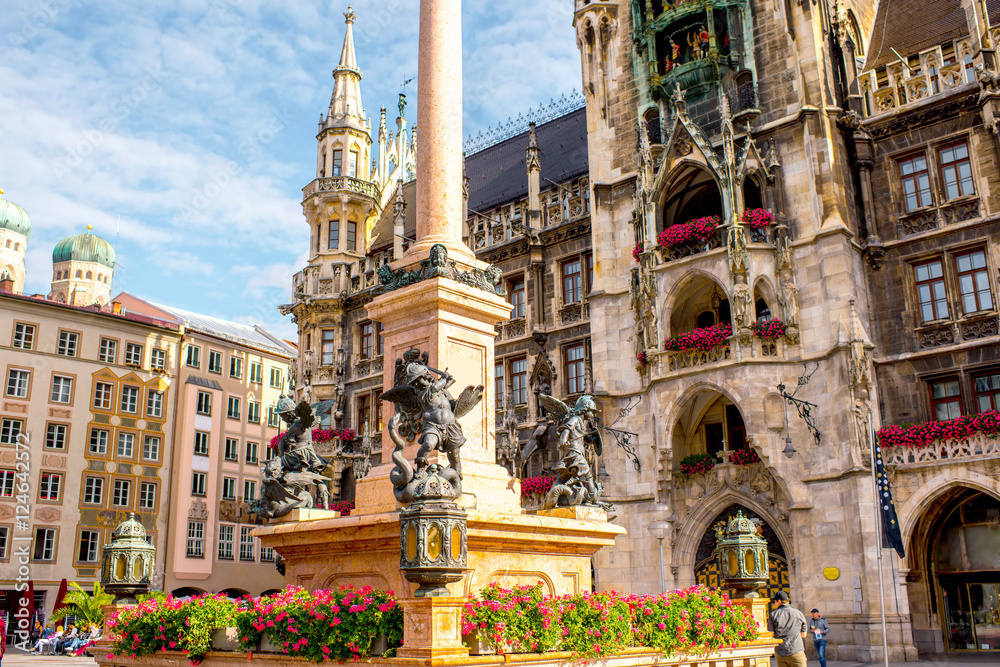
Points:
(432, 628)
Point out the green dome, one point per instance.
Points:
(14, 218)
(84, 248)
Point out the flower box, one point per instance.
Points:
(925, 434)
(380, 645)
(225, 639)
(703, 339)
(267, 645)
(695, 464)
(757, 218)
(772, 329)
(693, 232)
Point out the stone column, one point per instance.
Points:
(439, 143)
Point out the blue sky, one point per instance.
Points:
(186, 128)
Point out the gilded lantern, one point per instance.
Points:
(742, 556)
(128, 560)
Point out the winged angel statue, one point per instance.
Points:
(295, 469)
(425, 411)
(580, 444)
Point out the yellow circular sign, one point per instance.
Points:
(831, 573)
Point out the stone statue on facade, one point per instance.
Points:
(742, 303)
(580, 444)
(788, 298)
(425, 407)
(737, 246)
(294, 476)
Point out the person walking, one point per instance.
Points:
(789, 625)
(818, 628)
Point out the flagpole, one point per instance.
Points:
(878, 543)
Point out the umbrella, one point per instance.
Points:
(61, 596)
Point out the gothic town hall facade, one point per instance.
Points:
(764, 239)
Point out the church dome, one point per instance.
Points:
(14, 218)
(84, 248)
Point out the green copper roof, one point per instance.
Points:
(14, 218)
(84, 248)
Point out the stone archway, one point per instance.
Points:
(953, 581)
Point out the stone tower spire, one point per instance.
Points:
(340, 206)
(345, 103)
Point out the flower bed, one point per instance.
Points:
(772, 329)
(693, 464)
(325, 625)
(757, 218)
(320, 435)
(535, 485)
(698, 230)
(922, 435)
(703, 339)
(744, 457)
(171, 625)
(694, 620)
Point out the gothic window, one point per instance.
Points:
(915, 181)
(762, 310)
(338, 159)
(352, 164)
(956, 170)
(327, 350)
(946, 399)
(352, 236)
(652, 121)
(571, 281)
(519, 380)
(931, 293)
(498, 384)
(974, 282)
(515, 290)
(334, 237)
(575, 371)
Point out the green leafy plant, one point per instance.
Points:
(171, 625)
(324, 625)
(87, 607)
(522, 618)
(595, 624)
(694, 620)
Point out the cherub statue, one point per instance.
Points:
(580, 444)
(295, 466)
(423, 405)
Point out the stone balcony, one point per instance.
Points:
(975, 447)
(730, 352)
(341, 184)
(969, 328)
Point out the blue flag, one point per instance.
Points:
(890, 522)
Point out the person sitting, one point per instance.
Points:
(48, 640)
(66, 639)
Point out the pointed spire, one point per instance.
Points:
(345, 103)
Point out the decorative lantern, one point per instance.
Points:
(742, 556)
(128, 562)
(433, 537)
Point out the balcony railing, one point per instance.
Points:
(688, 249)
(677, 360)
(972, 327)
(340, 183)
(977, 446)
(743, 99)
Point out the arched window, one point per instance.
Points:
(762, 309)
(8, 243)
(89, 275)
(652, 120)
(693, 194)
(751, 194)
(79, 273)
(17, 246)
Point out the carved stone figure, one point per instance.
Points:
(742, 303)
(788, 298)
(737, 244)
(295, 470)
(862, 413)
(423, 405)
(579, 446)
